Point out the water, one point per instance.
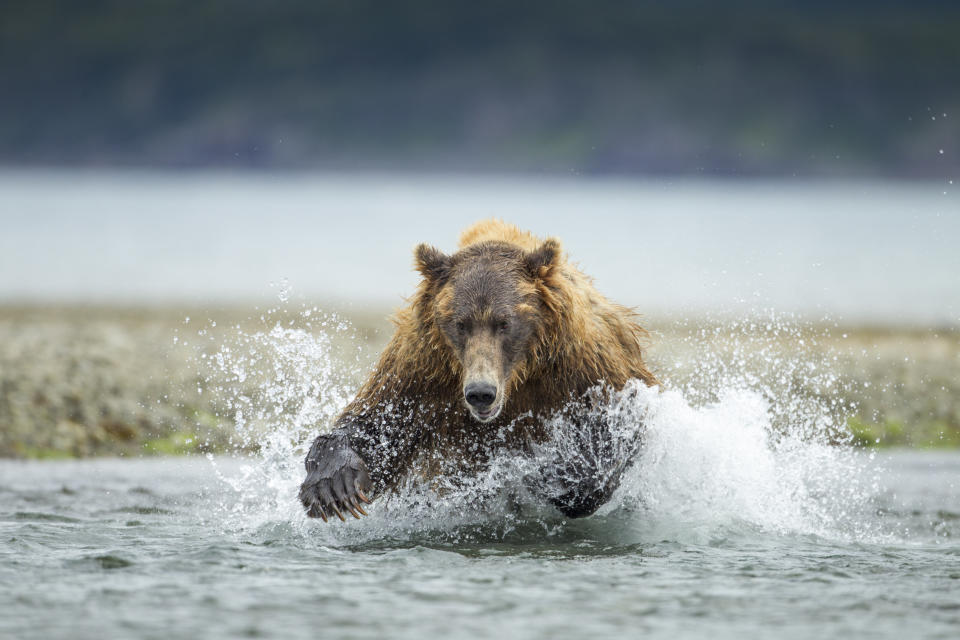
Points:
(863, 251)
(148, 548)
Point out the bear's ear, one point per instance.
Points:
(432, 263)
(544, 257)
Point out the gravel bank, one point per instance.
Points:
(87, 381)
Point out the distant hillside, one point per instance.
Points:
(776, 88)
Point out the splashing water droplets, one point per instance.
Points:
(748, 435)
(753, 435)
(279, 385)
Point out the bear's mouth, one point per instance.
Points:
(488, 414)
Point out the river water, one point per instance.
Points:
(163, 548)
(878, 252)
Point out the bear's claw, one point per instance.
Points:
(360, 493)
(337, 479)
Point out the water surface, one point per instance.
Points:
(162, 548)
(863, 251)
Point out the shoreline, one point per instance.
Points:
(95, 380)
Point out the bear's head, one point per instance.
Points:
(486, 300)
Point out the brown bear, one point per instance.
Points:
(499, 337)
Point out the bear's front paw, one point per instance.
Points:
(337, 479)
(579, 487)
(582, 500)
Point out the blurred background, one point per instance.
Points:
(692, 88)
(704, 161)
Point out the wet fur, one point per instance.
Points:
(409, 417)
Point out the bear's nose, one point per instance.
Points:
(480, 395)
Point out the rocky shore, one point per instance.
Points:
(87, 381)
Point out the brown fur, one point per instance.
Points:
(580, 340)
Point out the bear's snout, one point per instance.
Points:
(483, 400)
(483, 388)
(480, 395)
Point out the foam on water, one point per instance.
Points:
(742, 439)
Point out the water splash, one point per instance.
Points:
(725, 466)
(278, 385)
(748, 435)
(752, 432)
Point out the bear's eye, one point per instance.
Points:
(461, 326)
(502, 326)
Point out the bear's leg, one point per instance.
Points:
(584, 496)
(587, 467)
(337, 480)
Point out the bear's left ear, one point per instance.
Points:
(432, 263)
(545, 256)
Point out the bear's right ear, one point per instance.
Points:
(543, 258)
(432, 263)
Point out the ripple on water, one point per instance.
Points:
(144, 510)
(107, 562)
(37, 516)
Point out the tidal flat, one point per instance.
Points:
(81, 381)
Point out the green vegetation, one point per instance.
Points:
(891, 433)
(36, 453)
(178, 443)
(696, 87)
